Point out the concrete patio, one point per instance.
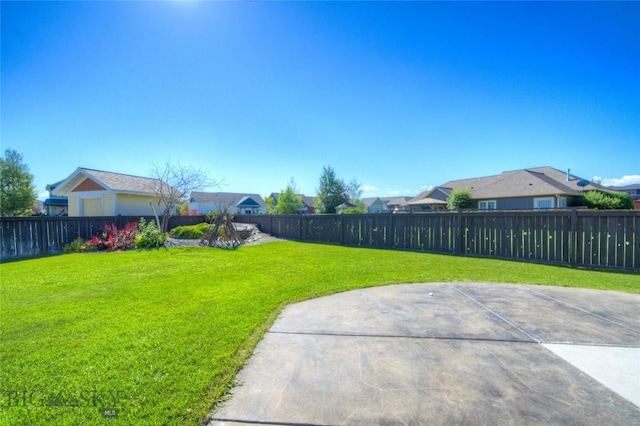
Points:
(446, 353)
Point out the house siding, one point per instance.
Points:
(108, 206)
(528, 203)
(74, 205)
(377, 207)
(134, 205)
(522, 203)
(201, 208)
(92, 207)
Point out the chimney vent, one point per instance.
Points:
(568, 175)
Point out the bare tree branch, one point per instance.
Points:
(175, 183)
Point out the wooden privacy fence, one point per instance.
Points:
(32, 236)
(584, 238)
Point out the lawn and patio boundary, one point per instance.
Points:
(573, 237)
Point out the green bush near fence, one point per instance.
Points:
(79, 245)
(607, 200)
(192, 232)
(149, 235)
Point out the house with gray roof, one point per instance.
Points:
(99, 193)
(239, 203)
(396, 204)
(534, 188)
(374, 205)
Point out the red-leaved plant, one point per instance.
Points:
(111, 238)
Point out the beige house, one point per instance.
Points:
(98, 193)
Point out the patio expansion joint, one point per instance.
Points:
(399, 336)
(505, 320)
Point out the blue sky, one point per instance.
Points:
(398, 95)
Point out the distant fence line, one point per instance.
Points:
(583, 238)
(33, 236)
(580, 238)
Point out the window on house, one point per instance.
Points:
(487, 205)
(543, 203)
(562, 202)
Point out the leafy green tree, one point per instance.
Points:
(271, 205)
(331, 192)
(460, 199)
(607, 200)
(289, 202)
(17, 193)
(183, 208)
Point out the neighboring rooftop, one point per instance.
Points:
(108, 180)
(537, 181)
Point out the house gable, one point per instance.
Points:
(88, 185)
(248, 202)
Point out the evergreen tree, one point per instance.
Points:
(17, 193)
(331, 192)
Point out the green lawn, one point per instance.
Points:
(160, 334)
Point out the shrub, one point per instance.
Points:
(149, 235)
(76, 246)
(460, 199)
(607, 200)
(192, 232)
(112, 238)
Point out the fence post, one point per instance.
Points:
(390, 233)
(459, 235)
(573, 237)
(44, 246)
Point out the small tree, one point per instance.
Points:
(460, 199)
(354, 191)
(331, 192)
(271, 205)
(175, 182)
(182, 209)
(17, 194)
(222, 231)
(289, 202)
